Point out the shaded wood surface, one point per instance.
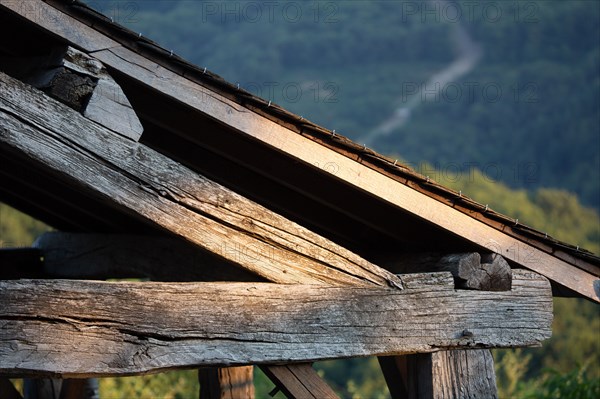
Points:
(104, 256)
(8, 390)
(83, 83)
(360, 176)
(299, 381)
(462, 374)
(226, 382)
(395, 372)
(531, 254)
(441, 375)
(470, 270)
(82, 328)
(156, 188)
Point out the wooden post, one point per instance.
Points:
(444, 374)
(226, 382)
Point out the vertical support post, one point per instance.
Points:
(444, 374)
(226, 382)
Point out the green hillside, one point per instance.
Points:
(528, 112)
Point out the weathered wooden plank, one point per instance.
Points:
(309, 152)
(104, 256)
(465, 374)
(462, 373)
(395, 372)
(492, 273)
(152, 186)
(349, 170)
(83, 83)
(299, 381)
(60, 24)
(55, 388)
(226, 382)
(83, 328)
(8, 390)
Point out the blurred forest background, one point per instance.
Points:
(499, 99)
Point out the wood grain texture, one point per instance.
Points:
(226, 382)
(309, 152)
(104, 256)
(150, 185)
(299, 381)
(492, 273)
(80, 329)
(83, 83)
(465, 374)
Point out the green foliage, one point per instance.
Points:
(171, 385)
(359, 378)
(573, 385)
(18, 229)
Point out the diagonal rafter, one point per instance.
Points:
(151, 186)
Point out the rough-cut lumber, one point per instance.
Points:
(395, 372)
(164, 192)
(83, 83)
(465, 374)
(307, 151)
(299, 381)
(8, 390)
(104, 256)
(60, 24)
(354, 173)
(83, 328)
(226, 382)
(461, 373)
(492, 273)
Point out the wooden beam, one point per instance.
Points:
(104, 256)
(8, 390)
(82, 328)
(492, 273)
(83, 83)
(309, 152)
(395, 372)
(356, 174)
(226, 382)
(444, 374)
(59, 24)
(151, 186)
(299, 381)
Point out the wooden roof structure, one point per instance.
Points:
(248, 193)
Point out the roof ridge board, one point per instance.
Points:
(309, 129)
